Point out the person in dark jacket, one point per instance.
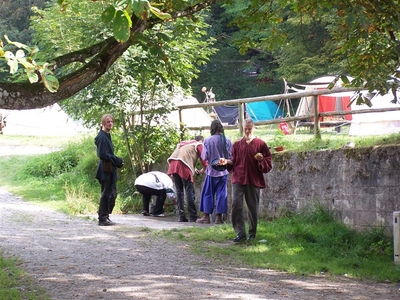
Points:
(106, 172)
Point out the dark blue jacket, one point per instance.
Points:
(105, 152)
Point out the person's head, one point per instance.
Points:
(107, 122)
(199, 138)
(216, 127)
(248, 127)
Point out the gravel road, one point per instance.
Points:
(73, 258)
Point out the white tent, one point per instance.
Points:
(329, 102)
(48, 121)
(376, 123)
(191, 117)
(360, 124)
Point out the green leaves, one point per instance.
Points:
(108, 14)
(50, 82)
(141, 8)
(121, 22)
(32, 76)
(121, 26)
(119, 16)
(159, 14)
(32, 68)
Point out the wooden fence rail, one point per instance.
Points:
(316, 115)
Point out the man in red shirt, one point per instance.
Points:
(250, 159)
(182, 167)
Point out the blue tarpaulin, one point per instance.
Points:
(258, 111)
(227, 114)
(263, 111)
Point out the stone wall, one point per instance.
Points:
(361, 184)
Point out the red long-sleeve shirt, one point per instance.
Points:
(246, 169)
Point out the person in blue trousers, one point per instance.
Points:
(215, 192)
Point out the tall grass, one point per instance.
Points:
(78, 201)
(64, 179)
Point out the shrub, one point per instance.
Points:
(52, 164)
(78, 202)
(58, 162)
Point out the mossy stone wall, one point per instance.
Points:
(361, 184)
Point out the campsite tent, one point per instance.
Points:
(376, 123)
(191, 117)
(326, 103)
(360, 124)
(258, 111)
(48, 121)
(264, 110)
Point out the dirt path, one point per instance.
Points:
(73, 258)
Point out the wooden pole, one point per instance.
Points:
(241, 117)
(181, 125)
(317, 127)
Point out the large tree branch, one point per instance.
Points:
(104, 54)
(79, 56)
(27, 96)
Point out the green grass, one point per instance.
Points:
(302, 245)
(43, 191)
(15, 284)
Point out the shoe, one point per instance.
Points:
(159, 215)
(106, 223)
(112, 223)
(145, 213)
(239, 238)
(218, 219)
(205, 219)
(183, 219)
(251, 237)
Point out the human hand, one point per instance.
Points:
(259, 156)
(222, 161)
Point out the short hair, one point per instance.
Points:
(104, 117)
(248, 121)
(216, 127)
(199, 138)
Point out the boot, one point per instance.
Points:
(205, 219)
(218, 219)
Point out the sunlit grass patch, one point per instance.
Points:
(311, 242)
